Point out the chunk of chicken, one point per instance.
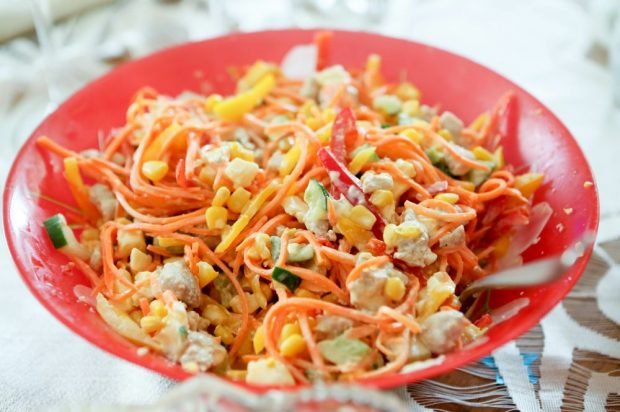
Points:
(203, 350)
(441, 331)
(176, 277)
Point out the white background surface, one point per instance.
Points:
(541, 45)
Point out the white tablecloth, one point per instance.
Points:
(542, 45)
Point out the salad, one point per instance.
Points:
(298, 230)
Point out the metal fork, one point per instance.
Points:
(536, 273)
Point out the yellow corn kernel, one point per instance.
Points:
(467, 185)
(528, 183)
(90, 233)
(207, 175)
(155, 170)
(408, 230)
(479, 122)
(151, 324)
(237, 150)
(411, 107)
(157, 308)
(445, 133)
(407, 91)
(390, 236)
(412, 134)
(501, 246)
(324, 134)
(373, 63)
(168, 242)
(190, 367)
(451, 198)
(212, 101)
(354, 233)
(328, 115)
(224, 333)
(498, 155)
(382, 198)
(481, 153)
(138, 260)
(361, 158)
(362, 217)
(216, 217)
(215, 314)
(221, 196)
(206, 274)
(308, 109)
(136, 315)
(236, 374)
(261, 249)
(313, 123)
(331, 298)
(288, 330)
(293, 345)
(305, 293)
(258, 341)
(290, 159)
(238, 200)
(394, 289)
(235, 303)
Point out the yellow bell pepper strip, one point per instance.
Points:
(528, 183)
(252, 208)
(78, 189)
(235, 107)
(153, 152)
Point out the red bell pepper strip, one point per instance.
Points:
(503, 122)
(180, 174)
(323, 41)
(350, 187)
(344, 134)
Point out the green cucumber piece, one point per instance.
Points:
(63, 238)
(275, 247)
(288, 279)
(315, 197)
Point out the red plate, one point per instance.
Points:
(457, 84)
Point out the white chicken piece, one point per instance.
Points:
(176, 277)
(441, 331)
(371, 181)
(410, 241)
(331, 325)
(453, 124)
(104, 200)
(453, 239)
(203, 350)
(367, 290)
(455, 166)
(173, 336)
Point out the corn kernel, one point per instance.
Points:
(394, 289)
(136, 315)
(235, 303)
(313, 123)
(324, 134)
(305, 293)
(498, 155)
(528, 183)
(215, 314)
(221, 196)
(407, 91)
(361, 158)
(382, 198)
(290, 160)
(207, 175)
(362, 217)
(238, 200)
(445, 133)
(236, 374)
(216, 217)
(467, 185)
(168, 242)
(155, 170)
(501, 246)
(138, 260)
(389, 235)
(288, 330)
(451, 198)
(479, 122)
(373, 63)
(328, 115)
(411, 107)
(151, 324)
(224, 333)
(190, 367)
(409, 230)
(261, 249)
(412, 134)
(211, 101)
(293, 345)
(258, 341)
(157, 308)
(90, 233)
(206, 274)
(331, 298)
(237, 150)
(481, 153)
(406, 167)
(353, 232)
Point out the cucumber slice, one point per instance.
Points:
(288, 279)
(275, 247)
(299, 253)
(63, 238)
(316, 195)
